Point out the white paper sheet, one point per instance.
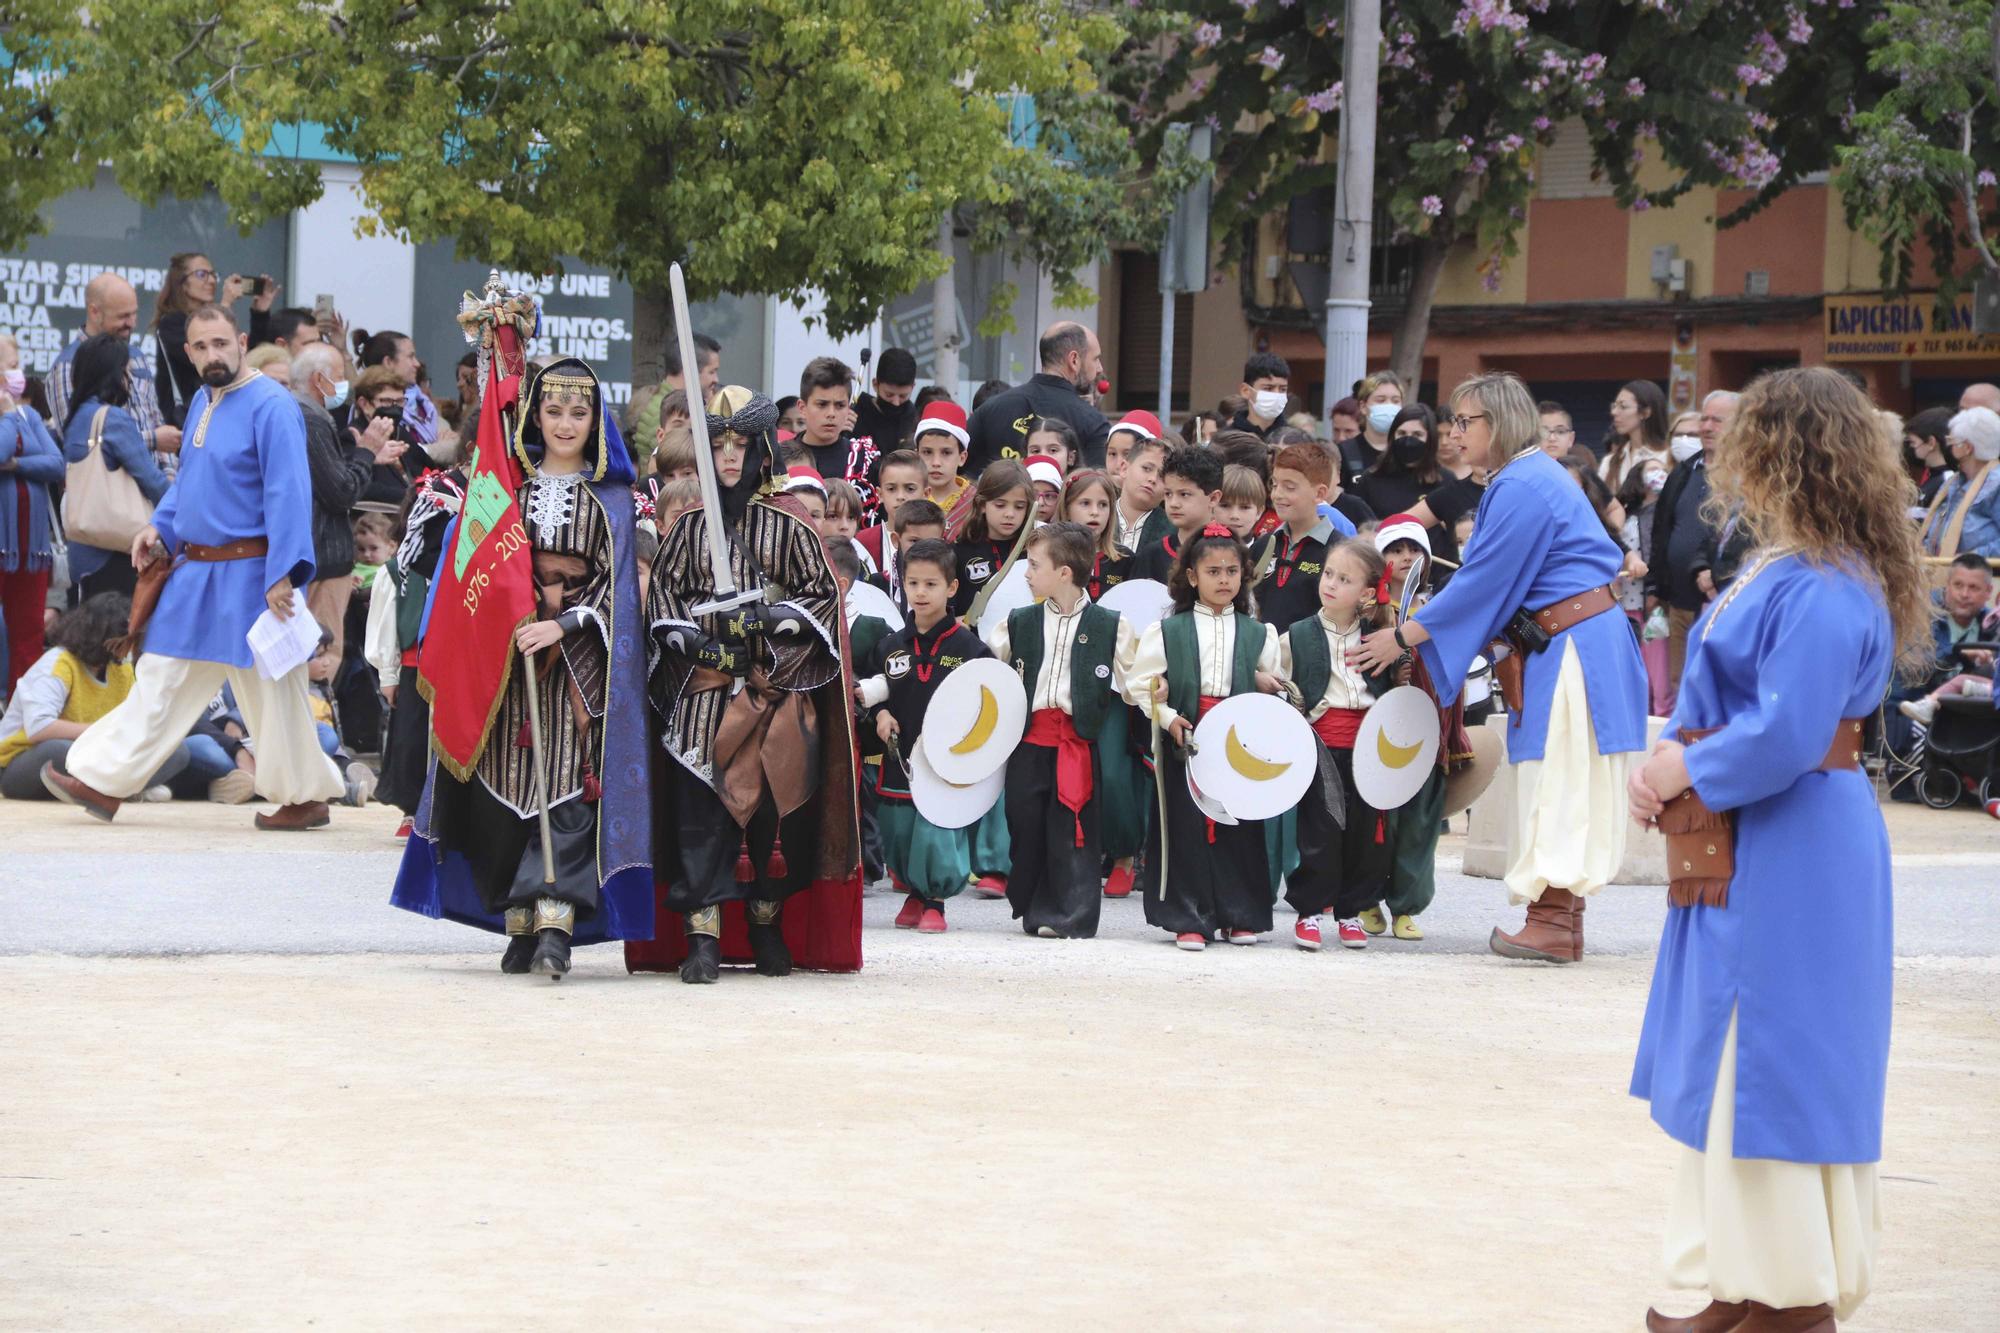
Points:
(279, 647)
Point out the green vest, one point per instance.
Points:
(1177, 633)
(1091, 693)
(1312, 659)
(412, 591)
(862, 636)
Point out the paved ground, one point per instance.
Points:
(242, 1129)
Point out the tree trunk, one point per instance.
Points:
(652, 327)
(1406, 350)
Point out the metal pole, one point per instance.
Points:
(944, 314)
(1167, 300)
(1353, 208)
(535, 759)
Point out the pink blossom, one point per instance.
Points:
(1271, 57)
(1798, 30)
(1208, 34)
(1635, 87)
(1541, 124)
(1987, 180)
(1432, 205)
(1640, 205)
(1325, 100)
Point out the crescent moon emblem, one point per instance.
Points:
(1249, 765)
(1394, 756)
(982, 726)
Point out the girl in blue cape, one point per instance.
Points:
(1766, 1042)
(475, 853)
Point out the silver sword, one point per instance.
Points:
(727, 596)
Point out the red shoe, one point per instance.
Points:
(1352, 936)
(1192, 940)
(403, 829)
(1306, 933)
(913, 912)
(932, 922)
(1242, 937)
(990, 886)
(1119, 885)
(1993, 808)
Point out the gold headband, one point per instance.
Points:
(558, 381)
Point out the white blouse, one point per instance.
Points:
(1346, 687)
(1061, 633)
(1215, 640)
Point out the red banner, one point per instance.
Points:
(483, 590)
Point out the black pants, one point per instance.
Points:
(1342, 871)
(1210, 885)
(710, 841)
(406, 747)
(1054, 881)
(873, 867)
(505, 852)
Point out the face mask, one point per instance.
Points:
(1382, 416)
(1684, 447)
(1268, 404)
(1656, 481)
(1407, 449)
(17, 382)
(338, 396)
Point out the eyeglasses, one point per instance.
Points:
(201, 273)
(1553, 431)
(1463, 423)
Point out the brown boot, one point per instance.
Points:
(1797, 1319)
(291, 818)
(1719, 1317)
(68, 790)
(1546, 938)
(1576, 902)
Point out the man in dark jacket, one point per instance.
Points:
(1071, 362)
(886, 415)
(340, 471)
(1678, 565)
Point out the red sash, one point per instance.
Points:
(1339, 726)
(1053, 728)
(1206, 702)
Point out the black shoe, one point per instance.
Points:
(520, 953)
(767, 946)
(551, 954)
(704, 961)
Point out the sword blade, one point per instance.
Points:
(704, 458)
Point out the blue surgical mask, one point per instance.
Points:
(338, 396)
(1382, 416)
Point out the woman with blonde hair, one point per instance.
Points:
(1538, 572)
(1765, 1048)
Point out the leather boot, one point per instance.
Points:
(767, 938)
(1796, 1319)
(520, 953)
(704, 961)
(1576, 902)
(1546, 937)
(1719, 1317)
(551, 953)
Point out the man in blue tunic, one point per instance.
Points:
(238, 524)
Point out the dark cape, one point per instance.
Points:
(436, 879)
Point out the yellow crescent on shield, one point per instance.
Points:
(1394, 756)
(982, 726)
(1249, 765)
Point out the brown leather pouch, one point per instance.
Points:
(145, 597)
(1701, 852)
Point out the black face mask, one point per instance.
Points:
(1407, 450)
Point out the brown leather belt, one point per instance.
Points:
(243, 548)
(1559, 616)
(1701, 843)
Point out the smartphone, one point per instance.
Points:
(257, 286)
(323, 309)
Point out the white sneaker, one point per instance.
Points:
(1918, 710)
(360, 783)
(155, 795)
(233, 788)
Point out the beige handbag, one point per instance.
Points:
(101, 507)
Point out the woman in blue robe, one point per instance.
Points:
(1765, 1047)
(1580, 707)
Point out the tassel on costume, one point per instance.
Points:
(775, 868)
(524, 739)
(746, 870)
(1701, 852)
(1381, 827)
(593, 790)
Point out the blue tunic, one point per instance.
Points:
(1536, 541)
(1803, 952)
(242, 474)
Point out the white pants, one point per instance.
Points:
(126, 746)
(1753, 1229)
(1569, 805)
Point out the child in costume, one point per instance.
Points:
(863, 633)
(1047, 476)
(1243, 501)
(1090, 498)
(1343, 862)
(1203, 877)
(940, 442)
(762, 798)
(475, 852)
(898, 678)
(1137, 520)
(902, 480)
(1405, 545)
(1288, 561)
(1003, 508)
(1070, 654)
(1193, 478)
